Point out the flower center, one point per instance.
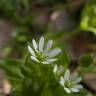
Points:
(41, 56)
(67, 84)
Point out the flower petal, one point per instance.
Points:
(52, 60)
(55, 68)
(35, 45)
(31, 51)
(74, 90)
(54, 52)
(34, 58)
(62, 81)
(67, 75)
(67, 90)
(78, 86)
(78, 80)
(48, 46)
(74, 76)
(41, 44)
(45, 62)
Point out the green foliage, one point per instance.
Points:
(86, 60)
(30, 78)
(11, 65)
(17, 11)
(64, 59)
(88, 19)
(87, 63)
(33, 79)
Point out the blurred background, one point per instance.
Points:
(70, 23)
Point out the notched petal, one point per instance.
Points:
(54, 53)
(31, 51)
(41, 44)
(35, 45)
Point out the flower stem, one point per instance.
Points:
(47, 81)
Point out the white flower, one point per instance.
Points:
(58, 69)
(41, 53)
(70, 82)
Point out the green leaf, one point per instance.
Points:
(63, 59)
(88, 18)
(12, 68)
(91, 68)
(86, 60)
